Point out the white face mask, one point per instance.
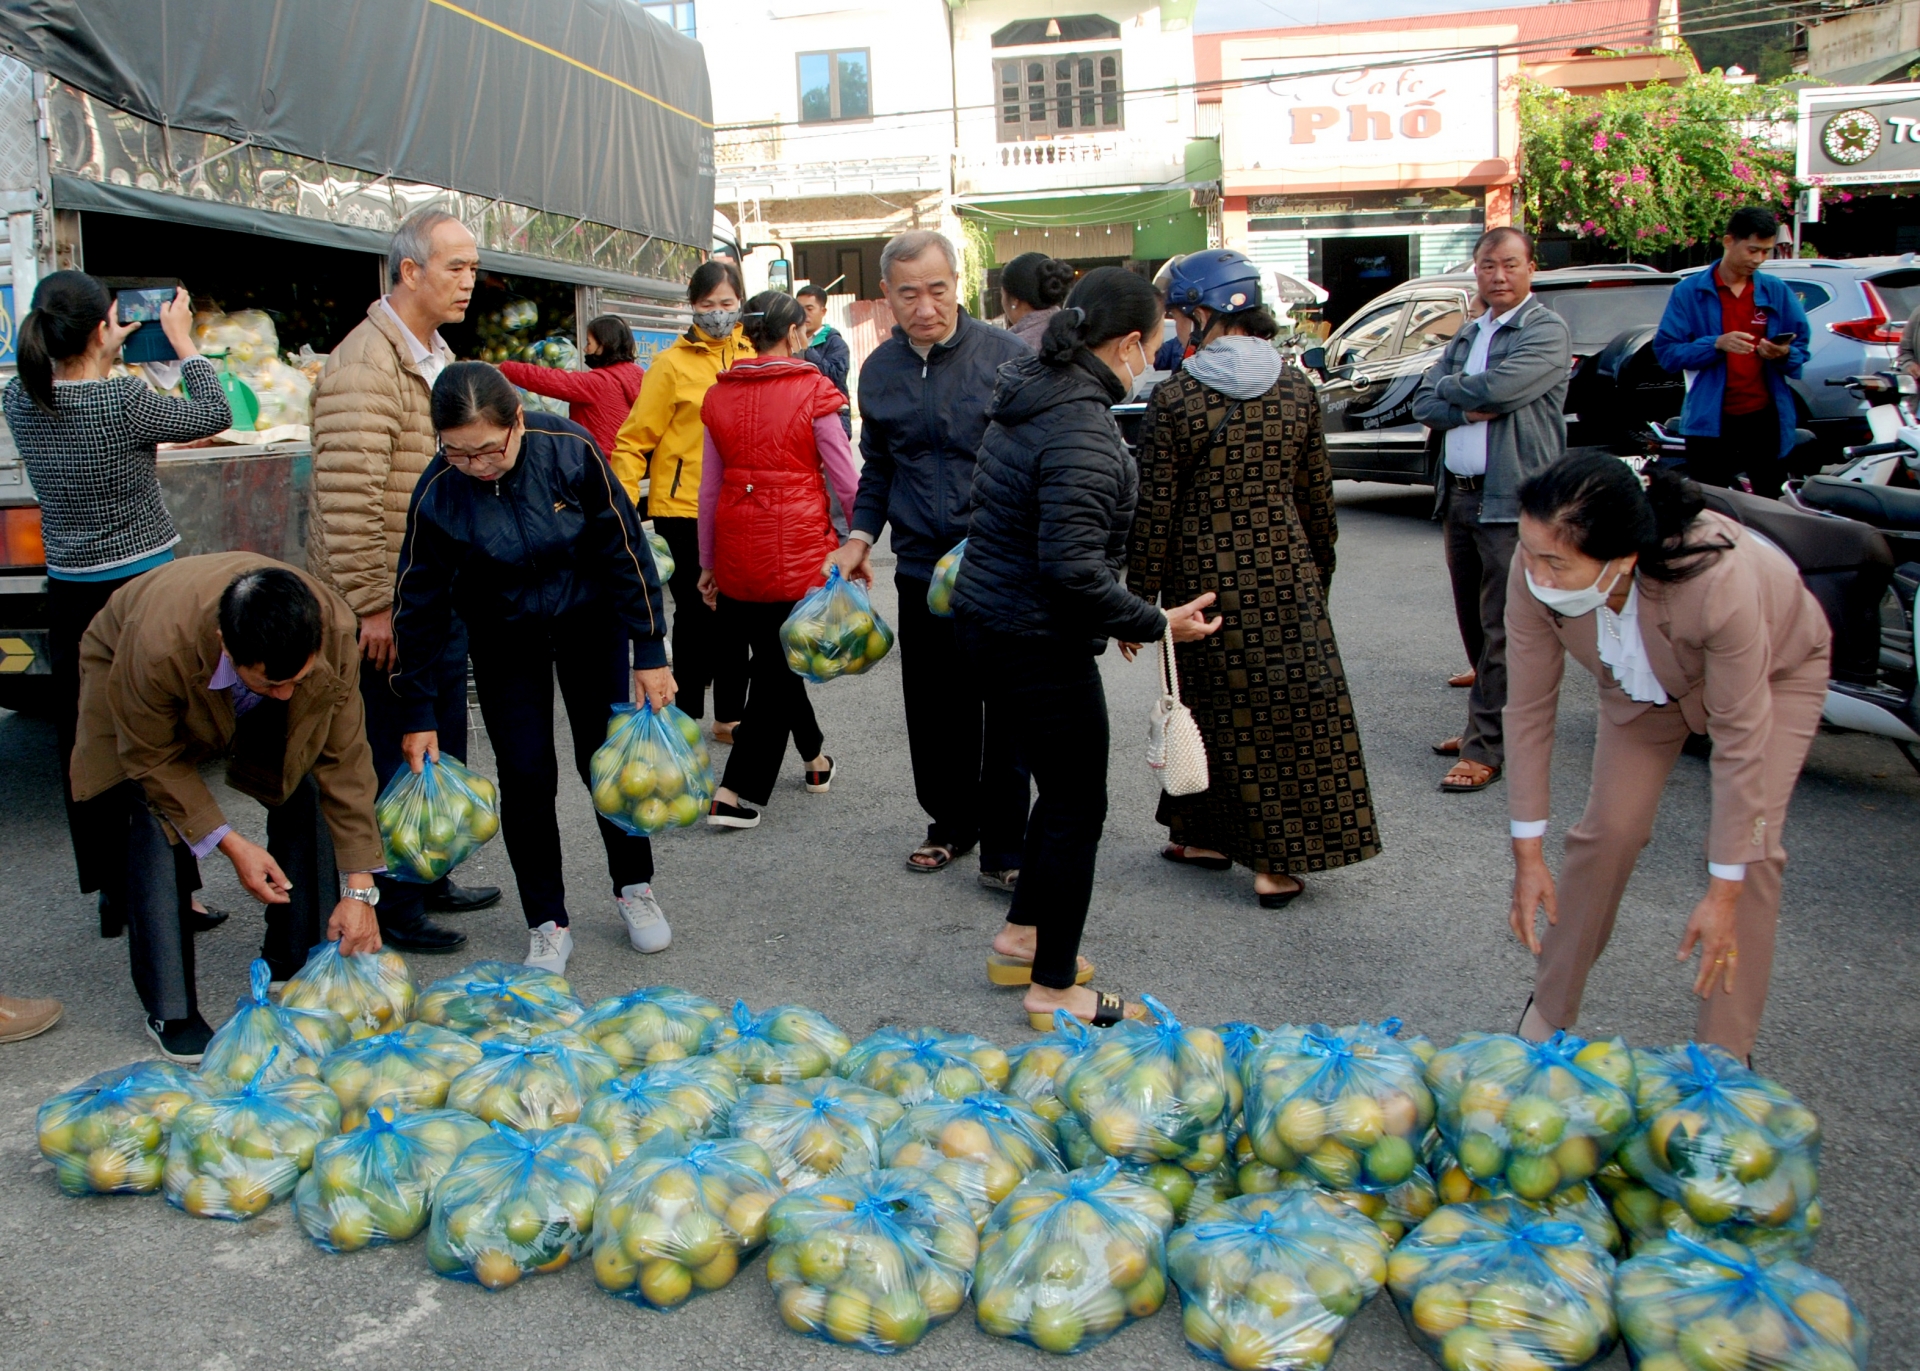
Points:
(1571, 604)
(1140, 385)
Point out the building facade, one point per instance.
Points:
(1357, 156)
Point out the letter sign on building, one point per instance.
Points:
(1313, 116)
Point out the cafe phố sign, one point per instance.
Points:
(1850, 135)
(1385, 119)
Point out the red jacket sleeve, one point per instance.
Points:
(561, 385)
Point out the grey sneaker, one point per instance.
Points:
(549, 946)
(646, 922)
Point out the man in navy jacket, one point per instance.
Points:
(1737, 334)
(923, 411)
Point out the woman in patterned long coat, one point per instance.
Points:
(1237, 499)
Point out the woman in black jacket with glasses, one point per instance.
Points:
(1042, 588)
(520, 526)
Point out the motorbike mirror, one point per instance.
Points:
(1314, 359)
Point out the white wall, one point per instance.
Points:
(753, 48)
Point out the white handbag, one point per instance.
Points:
(1175, 748)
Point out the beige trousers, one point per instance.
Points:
(1631, 764)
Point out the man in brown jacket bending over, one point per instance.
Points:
(237, 656)
(372, 437)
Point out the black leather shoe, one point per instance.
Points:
(198, 922)
(425, 937)
(449, 897)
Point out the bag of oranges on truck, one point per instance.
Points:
(833, 632)
(108, 1135)
(235, 1153)
(514, 1204)
(1273, 1281)
(372, 991)
(871, 1261)
(678, 1219)
(433, 819)
(653, 772)
(374, 1185)
(1066, 1261)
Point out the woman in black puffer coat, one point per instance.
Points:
(1042, 588)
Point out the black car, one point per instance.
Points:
(1372, 364)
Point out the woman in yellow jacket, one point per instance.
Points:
(662, 440)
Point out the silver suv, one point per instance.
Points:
(1856, 309)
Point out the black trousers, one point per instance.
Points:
(513, 669)
(403, 903)
(153, 884)
(777, 704)
(1479, 559)
(969, 777)
(1050, 704)
(1747, 443)
(71, 606)
(703, 654)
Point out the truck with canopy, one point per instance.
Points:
(262, 154)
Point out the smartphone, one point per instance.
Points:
(141, 305)
(1783, 338)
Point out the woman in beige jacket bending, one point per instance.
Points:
(1690, 624)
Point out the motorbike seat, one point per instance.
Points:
(1813, 543)
(1881, 506)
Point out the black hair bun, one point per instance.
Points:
(1066, 334)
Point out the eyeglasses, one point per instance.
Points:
(459, 457)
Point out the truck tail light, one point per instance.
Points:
(20, 542)
(1877, 327)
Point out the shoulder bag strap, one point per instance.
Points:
(1171, 671)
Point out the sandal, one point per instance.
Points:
(1280, 899)
(1177, 852)
(1464, 679)
(1109, 1009)
(942, 854)
(1004, 882)
(1449, 748)
(1470, 780)
(1005, 970)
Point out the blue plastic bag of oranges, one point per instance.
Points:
(834, 632)
(434, 819)
(652, 772)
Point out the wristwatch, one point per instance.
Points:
(370, 896)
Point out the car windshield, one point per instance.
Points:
(1901, 291)
(1596, 315)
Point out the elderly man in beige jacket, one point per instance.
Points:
(372, 437)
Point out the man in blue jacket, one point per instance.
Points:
(1737, 334)
(923, 410)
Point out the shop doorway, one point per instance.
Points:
(843, 266)
(1355, 270)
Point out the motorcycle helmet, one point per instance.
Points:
(1219, 279)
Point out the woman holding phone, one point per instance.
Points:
(89, 442)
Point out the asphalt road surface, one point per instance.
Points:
(817, 907)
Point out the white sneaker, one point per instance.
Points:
(646, 922)
(549, 946)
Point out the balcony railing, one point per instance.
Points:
(1072, 163)
(784, 180)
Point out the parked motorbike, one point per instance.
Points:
(1866, 576)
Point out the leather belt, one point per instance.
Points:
(1459, 482)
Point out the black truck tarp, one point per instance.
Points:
(589, 108)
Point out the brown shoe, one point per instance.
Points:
(27, 1018)
(1464, 679)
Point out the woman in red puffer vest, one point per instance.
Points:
(773, 446)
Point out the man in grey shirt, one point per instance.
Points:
(1493, 403)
